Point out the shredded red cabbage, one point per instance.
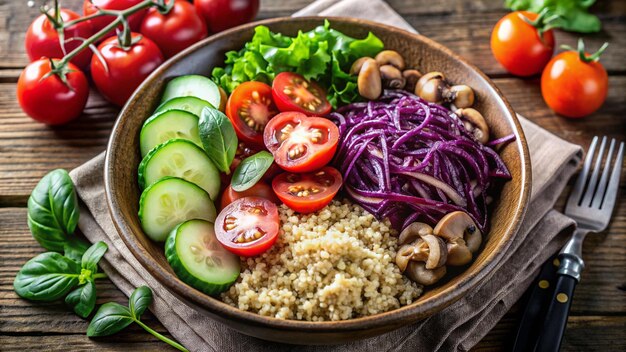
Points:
(410, 160)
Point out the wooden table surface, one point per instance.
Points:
(28, 150)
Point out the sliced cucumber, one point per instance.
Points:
(199, 259)
(180, 158)
(194, 86)
(170, 201)
(190, 104)
(167, 125)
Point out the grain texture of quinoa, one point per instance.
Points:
(335, 264)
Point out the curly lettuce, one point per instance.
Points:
(322, 54)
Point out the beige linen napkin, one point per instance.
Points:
(458, 327)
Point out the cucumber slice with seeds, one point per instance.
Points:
(167, 125)
(199, 260)
(190, 104)
(194, 86)
(180, 158)
(170, 201)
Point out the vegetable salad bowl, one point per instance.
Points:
(420, 52)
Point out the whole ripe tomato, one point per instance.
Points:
(175, 31)
(223, 14)
(124, 69)
(42, 38)
(575, 84)
(519, 46)
(260, 189)
(44, 96)
(90, 7)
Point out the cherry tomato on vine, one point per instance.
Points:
(575, 84)
(44, 97)
(223, 14)
(250, 108)
(124, 69)
(520, 46)
(248, 226)
(306, 193)
(175, 31)
(292, 92)
(42, 38)
(90, 7)
(260, 189)
(301, 143)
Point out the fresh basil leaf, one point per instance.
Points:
(53, 210)
(83, 299)
(109, 319)
(93, 255)
(47, 277)
(250, 170)
(218, 138)
(74, 249)
(139, 300)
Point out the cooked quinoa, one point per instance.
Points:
(335, 264)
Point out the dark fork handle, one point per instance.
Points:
(556, 318)
(536, 305)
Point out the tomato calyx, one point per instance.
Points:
(582, 54)
(61, 70)
(164, 7)
(541, 23)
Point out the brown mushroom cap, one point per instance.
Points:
(475, 123)
(413, 232)
(358, 64)
(437, 251)
(431, 87)
(392, 77)
(390, 57)
(417, 272)
(459, 224)
(458, 253)
(411, 77)
(369, 81)
(461, 96)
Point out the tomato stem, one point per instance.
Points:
(583, 55)
(542, 23)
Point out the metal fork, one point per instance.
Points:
(590, 204)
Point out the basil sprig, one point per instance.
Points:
(218, 138)
(250, 170)
(113, 317)
(51, 276)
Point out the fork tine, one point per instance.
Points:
(599, 195)
(611, 192)
(593, 180)
(582, 178)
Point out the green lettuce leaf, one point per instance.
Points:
(573, 15)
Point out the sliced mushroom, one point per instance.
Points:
(392, 77)
(403, 256)
(417, 272)
(431, 86)
(459, 224)
(461, 96)
(358, 64)
(458, 253)
(369, 80)
(474, 123)
(390, 57)
(413, 232)
(437, 251)
(411, 77)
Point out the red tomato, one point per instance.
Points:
(516, 44)
(573, 87)
(260, 189)
(46, 98)
(177, 30)
(223, 14)
(306, 193)
(134, 20)
(42, 39)
(248, 226)
(292, 92)
(301, 143)
(124, 70)
(249, 108)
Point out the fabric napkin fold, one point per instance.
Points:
(458, 327)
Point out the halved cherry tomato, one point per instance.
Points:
(292, 92)
(301, 143)
(248, 226)
(306, 193)
(260, 189)
(249, 108)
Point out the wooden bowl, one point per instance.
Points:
(422, 53)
